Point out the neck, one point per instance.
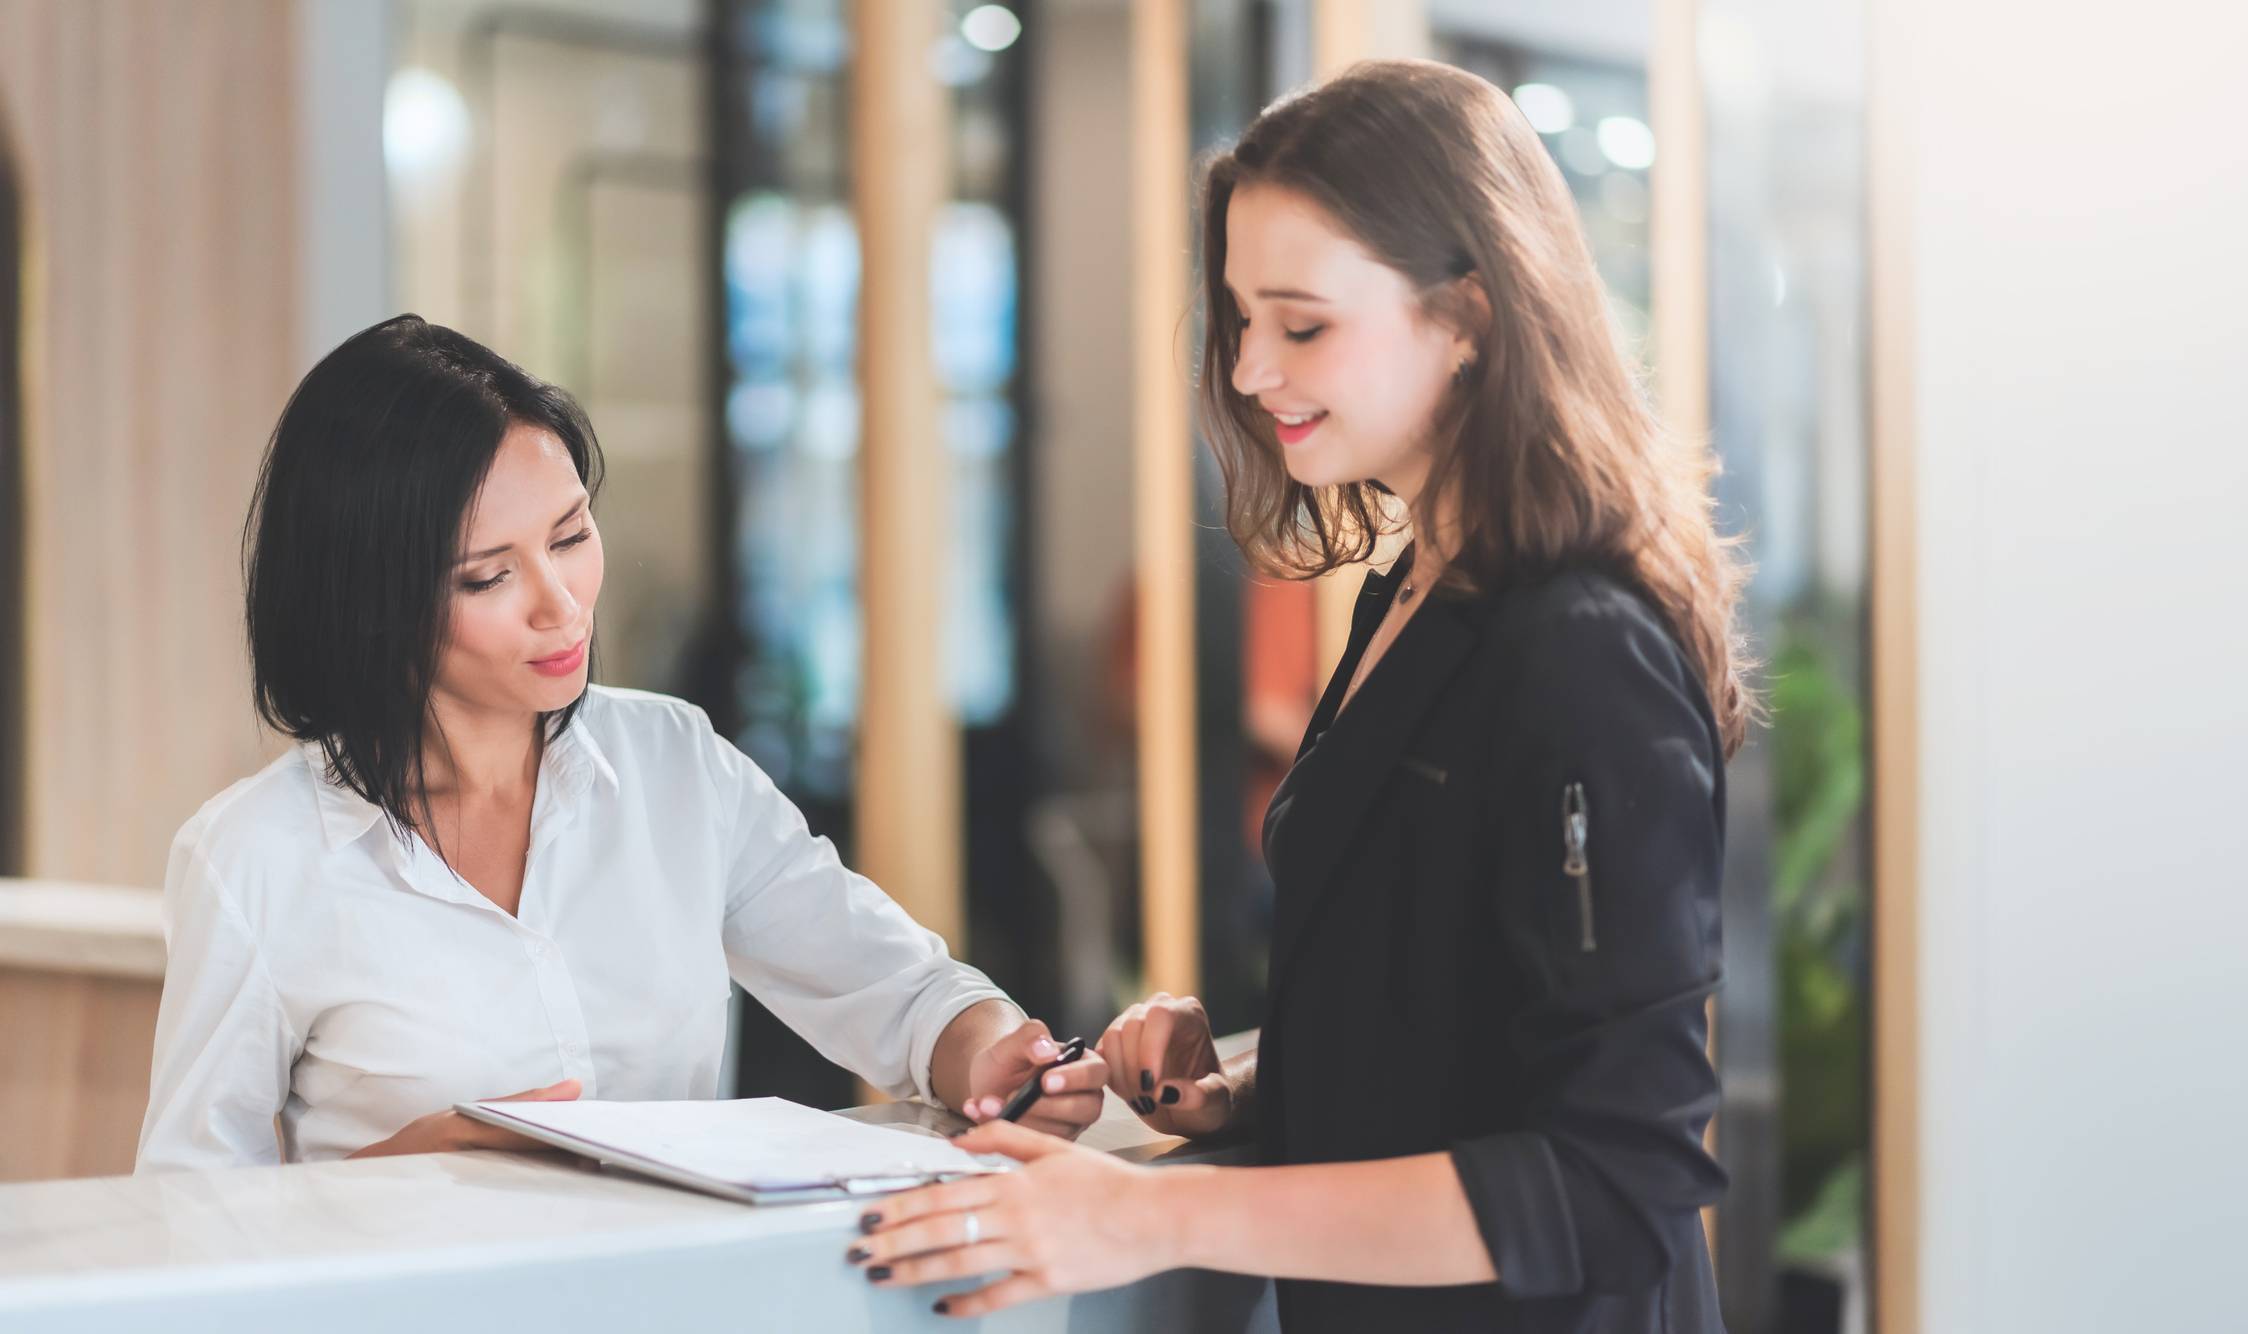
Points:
(1435, 538)
(468, 753)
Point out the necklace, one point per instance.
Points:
(1405, 593)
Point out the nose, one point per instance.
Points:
(553, 605)
(1254, 370)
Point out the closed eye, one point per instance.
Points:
(1304, 335)
(487, 585)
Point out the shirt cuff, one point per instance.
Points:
(924, 1052)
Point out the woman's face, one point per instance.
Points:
(525, 584)
(1336, 345)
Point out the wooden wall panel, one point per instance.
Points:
(75, 1081)
(156, 143)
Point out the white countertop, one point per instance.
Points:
(57, 926)
(488, 1237)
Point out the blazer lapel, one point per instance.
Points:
(1338, 773)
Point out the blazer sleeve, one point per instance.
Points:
(1600, 1190)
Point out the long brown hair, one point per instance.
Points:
(1547, 441)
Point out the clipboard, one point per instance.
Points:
(870, 1177)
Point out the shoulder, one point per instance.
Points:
(268, 820)
(640, 715)
(1584, 638)
(652, 740)
(1580, 601)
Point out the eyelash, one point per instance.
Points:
(1295, 335)
(487, 585)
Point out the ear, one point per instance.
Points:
(1468, 311)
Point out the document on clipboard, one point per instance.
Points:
(757, 1150)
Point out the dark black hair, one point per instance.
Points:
(349, 549)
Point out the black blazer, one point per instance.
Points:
(1459, 967)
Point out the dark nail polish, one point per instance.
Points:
(878, 1273)
(942, 1307)
(1147, 1104)
(869, 1222)
(1147, 1081)
(857, 1254)
(1170, 1095)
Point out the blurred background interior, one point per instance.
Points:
(667, 206)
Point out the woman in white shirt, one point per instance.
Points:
(476, 872)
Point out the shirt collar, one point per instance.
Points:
(344, 815)
(573, 763)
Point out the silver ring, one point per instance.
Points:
(975, 1228)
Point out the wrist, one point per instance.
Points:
(1175, 1216)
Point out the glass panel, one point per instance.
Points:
(789, 269)
(548, 184)
(1785, 108)
(1255, 657)
(1080, 810)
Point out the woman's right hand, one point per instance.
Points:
(448, 1131)
(1163, 1063)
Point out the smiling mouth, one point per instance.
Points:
(1293, 428)
(564, 656)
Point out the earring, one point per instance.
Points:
(1459, 372)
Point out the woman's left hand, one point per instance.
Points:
(1072, 1220)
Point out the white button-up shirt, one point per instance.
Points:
(322, 970)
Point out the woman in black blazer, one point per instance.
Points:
(1483, 1080)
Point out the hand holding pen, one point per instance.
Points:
(1027, 1076)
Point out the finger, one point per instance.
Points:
(1017, 1142)
(1157, 1063)
(1006, 1292)
(1065, 1116)
(1111, 1052)
(1033, 1043)
(1192, 1095)
(978, 1192)
(483, 1135)
(565, 1090)
(926, 1236)
(1134, 1023)
(1086, 1074)
(991, 1257)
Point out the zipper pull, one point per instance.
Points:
(1576, 829)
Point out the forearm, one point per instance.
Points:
(970, 1031)
(1402, 1221)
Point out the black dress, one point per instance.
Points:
(1496, 930)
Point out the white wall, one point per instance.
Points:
(343, 61)
(2081, 298)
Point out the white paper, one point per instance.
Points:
(758, 1143)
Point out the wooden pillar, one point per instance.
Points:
(1892, 102)
(909, 770)
(1163, 499)
(1344, 32)
(1678, 239)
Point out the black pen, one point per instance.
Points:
(1028, 1093)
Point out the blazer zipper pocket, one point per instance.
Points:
(1576, 830)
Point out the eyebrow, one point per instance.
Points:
(490, 552)
(1282, 294)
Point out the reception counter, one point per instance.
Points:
(81, 969)
(506, 1241)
